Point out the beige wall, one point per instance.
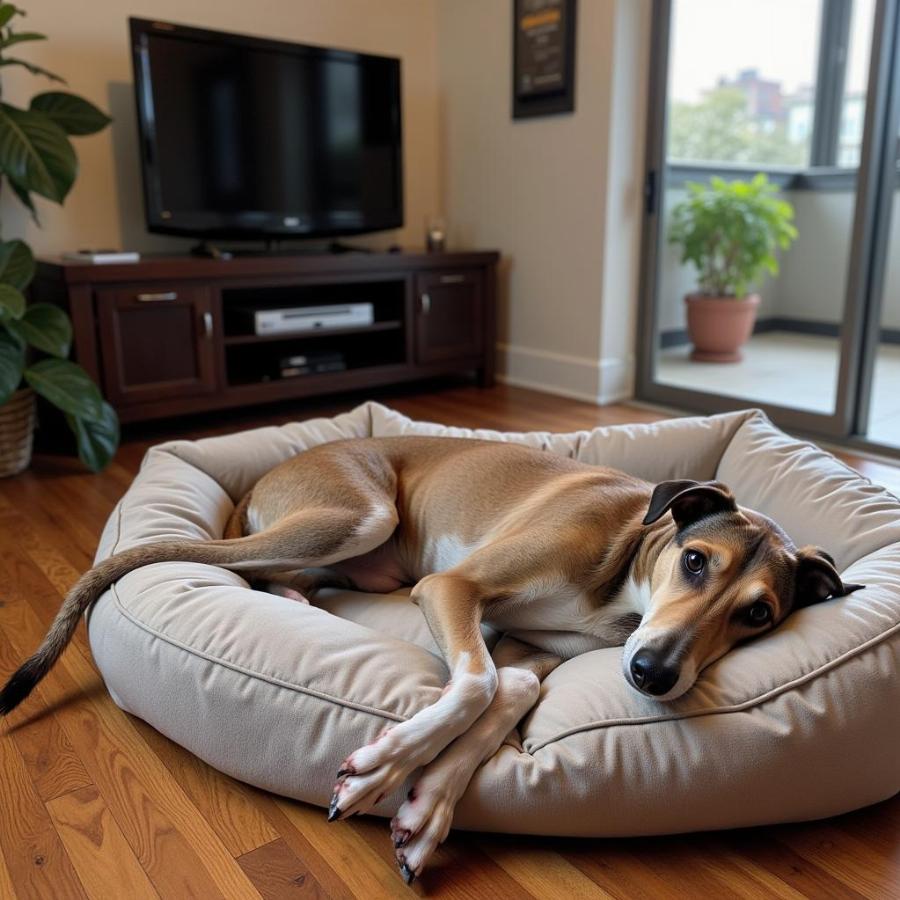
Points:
(89, 45)
(559, 196)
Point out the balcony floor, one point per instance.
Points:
(793, 370)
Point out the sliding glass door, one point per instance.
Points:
(773, 114)
(878, 413)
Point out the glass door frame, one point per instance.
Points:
(875, 184)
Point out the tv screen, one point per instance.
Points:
(243, 137)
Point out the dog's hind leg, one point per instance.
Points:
(423, 820)
(452, 605)
(303, 584)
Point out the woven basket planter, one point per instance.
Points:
(17, 418)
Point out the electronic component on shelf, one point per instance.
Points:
(311, 363)
(308, 318)
(102, 257)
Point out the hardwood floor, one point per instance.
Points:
(95, 803)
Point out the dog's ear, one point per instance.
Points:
(689, 501)
(817, 579)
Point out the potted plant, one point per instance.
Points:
(731, 232)
(37, 157)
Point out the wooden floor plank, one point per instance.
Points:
(175, 844)
(716, 868)
(226, 804)
(324, 870)
(38, 864)
(52, 763)
(808, 879)
(660, 866)
(544, 872)
(37, 497)
(93, 839)
(848, 859)
(755, 880)
(624, 878)
(279, 874)
(459, 870)
(366, 873)
(36, 541)
(877, 826)
(27, 497)
(7, 888)
(34, 588)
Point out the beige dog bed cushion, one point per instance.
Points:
(802, 723)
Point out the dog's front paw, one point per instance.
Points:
(367, 776)
(422, 823)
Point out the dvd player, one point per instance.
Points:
(308, 318)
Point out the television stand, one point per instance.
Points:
(341, 247)
(170, 336)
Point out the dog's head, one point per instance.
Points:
(727, 575)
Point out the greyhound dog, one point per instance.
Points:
(560, 556)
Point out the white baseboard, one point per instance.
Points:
(600, 381)
(616, 380)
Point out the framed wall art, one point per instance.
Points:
(543, 57)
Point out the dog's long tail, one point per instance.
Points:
(264, 551)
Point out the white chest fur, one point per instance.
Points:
(442, 553)
(558, 617)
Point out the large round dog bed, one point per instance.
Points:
(800, 724)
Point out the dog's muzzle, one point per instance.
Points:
(652, 673)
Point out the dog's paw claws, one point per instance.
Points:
(401, 838)
(334, 811)
(343, 772)
(407, 873)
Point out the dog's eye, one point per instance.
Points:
(694, 562)
(759, 614)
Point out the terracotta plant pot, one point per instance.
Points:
(720, 326)
(17, 420)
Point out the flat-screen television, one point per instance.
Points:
(249, 138)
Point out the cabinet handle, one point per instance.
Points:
(452, 279)
(156, 298)
(208, 324)
(426, 304)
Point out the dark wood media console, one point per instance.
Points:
(163, 337)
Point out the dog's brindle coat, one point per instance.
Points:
(561, 556)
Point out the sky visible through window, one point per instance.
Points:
(719, 38)
(742, 80)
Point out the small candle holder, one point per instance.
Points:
(435, 234)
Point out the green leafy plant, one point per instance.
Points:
(731, 231)
(37, 157)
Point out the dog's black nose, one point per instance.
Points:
(651, 674)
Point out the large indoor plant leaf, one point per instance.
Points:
(35, 152)
(16, 264)
(21, 37)
(67, 386)
(7, 11)
(97, 439)
(12, 304)
(73, 114)
(44, 327)
(31, 67)
(12, 362)
(25, 199)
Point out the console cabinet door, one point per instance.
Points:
(156, 342)
(449, 315)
